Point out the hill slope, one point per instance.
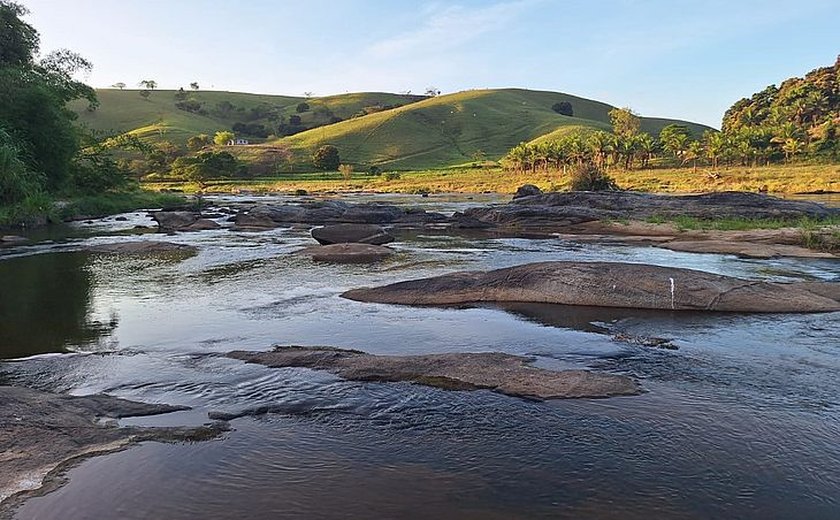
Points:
(452, 129)
(402, 132)
(157, 117)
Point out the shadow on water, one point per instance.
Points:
(45, 305)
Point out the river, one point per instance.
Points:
(742, 421)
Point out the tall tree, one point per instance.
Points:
(625, 122)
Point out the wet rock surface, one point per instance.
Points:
(499, 372)
(41, 431)
(145, 247)
(352, 233)
(608, 284)
(347, 253)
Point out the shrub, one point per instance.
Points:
(391, 176)
(326, 158)
(588, 177)
(346, 171)
(302, 107)
(563, 108)
(374, 170)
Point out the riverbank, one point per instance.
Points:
(778, 179)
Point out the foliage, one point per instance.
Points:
(346, 171)
(326, 158)
(205, 166)
(625, 122)
(17, 182)
(564, 108)
(801, 116)
(222, 137)
(194, 85)
(302, 107)
(197, 142)
(120, 85)
(588, 177)
(252, 129)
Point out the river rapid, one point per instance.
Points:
(742, 421)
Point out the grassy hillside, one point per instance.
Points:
(157, 117)
(419, 133)
(450, 130)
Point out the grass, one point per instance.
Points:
(744, 224)
(783, 179)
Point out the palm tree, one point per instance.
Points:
(599, 145)
(646, 145)
(791, 147)
(693, 153)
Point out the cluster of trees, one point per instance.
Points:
(42, 151)
(801, 116)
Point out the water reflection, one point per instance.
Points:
(45, 303)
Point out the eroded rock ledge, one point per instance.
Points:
(609, 284)
(41, 431)
(503, 373)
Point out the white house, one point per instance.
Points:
(237, 142)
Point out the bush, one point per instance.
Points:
(391, 176)
(563, 108)
(302, 107)
(374, 170)
(346, 171)
(326, 158)
(588, 177)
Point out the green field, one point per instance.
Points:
(438, 132)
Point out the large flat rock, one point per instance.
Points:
(562, 209)
(266, 216)
(41, 431)
(608, 284)
(503, 373)
(347, 253)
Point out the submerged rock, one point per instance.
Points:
(503, 373)
(347, 253)
(608, 284)
(355, 233)
(42, 431)
(145, 247)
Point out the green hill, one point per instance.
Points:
(451, 129)
(399, 131)
(159, 118)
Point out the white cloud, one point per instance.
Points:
(448, 27)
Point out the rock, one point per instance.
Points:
(201, 224)
(503, 373)
(265, 216)
(174, 220)
(608, 284)
(461, 221)
(561, 209)
(347, 253)
(526, 190)
(43, 431)
(356, 233)
(145, 247)
(744, 249)
(12, 240)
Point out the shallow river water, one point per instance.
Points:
(742, 421)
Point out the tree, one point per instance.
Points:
(120, 85)
(197, 142)
(432, 91)
(646, 146)
(180, 94)
(149, 84)
(563, 108)
(294, 120)
(145, 94)
(326, 158)
(205, 166)
(693, 153)
(20, 40)
(625, 122)
(194, 85)
(715, 146)
(791, 147)
(302, 107)
(222, 137)
(675, 139)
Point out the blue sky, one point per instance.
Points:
(682, 59)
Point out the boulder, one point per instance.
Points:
(356, 233)
(347, 253)
(174, 220)
(264, 216)
(503, 373)
(608, 284)
(202, 224)
(526, 190)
